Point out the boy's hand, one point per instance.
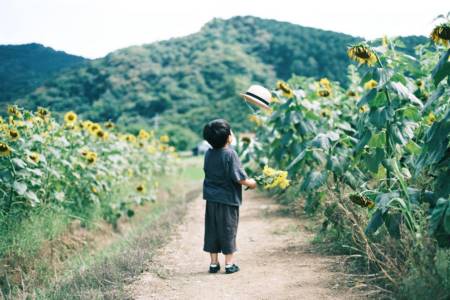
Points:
(251, 183)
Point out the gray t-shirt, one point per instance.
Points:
(223, 171)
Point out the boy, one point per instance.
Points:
(222, 190)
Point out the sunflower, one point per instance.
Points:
(13, 110)
(352, 93)
(441, 34)
(326, 113)
(255, 119)
(5, 150)
(362, 201)
(323, 93)
(363, 109)
(109, 125)
(371, 84)
(130, 138)
(151, 149)
(14, 134)
(143, 134)
(431, 118)
(34, 157)
(86, 124)
(140, 188)
(84, 152)
(420, 83)
(325, 83)
(163, 148)
(43, 113)
(94, 128)
(91, 157)
(363, 54)
(102, 134)
(164, 138)
(284, 87)
(70, 117)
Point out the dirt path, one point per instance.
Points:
(272, 254)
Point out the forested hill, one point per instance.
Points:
(25, 67)
(188, 80)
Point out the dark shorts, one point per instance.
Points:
(221, 223)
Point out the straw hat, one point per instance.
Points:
(258, 95)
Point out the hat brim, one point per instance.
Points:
(254, 101)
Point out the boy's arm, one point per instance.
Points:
(249, 182)
(238, 174)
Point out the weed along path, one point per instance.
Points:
(273, 253)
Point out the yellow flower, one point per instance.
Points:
(325, 83)
(326, 112)
(102, 134)
(431, 118)
(363, 54)
(255, 119)
(91, 157)
(130, 138)
(43, 113)
(5, 150)
(140, 188)
(70, 117)
(109, 125)
(14, 134)
(284, 87)
(164, 138)
(94, 190)
(151, 149)
(86, 124)
(420, 83)
(371, 84)
(13, 110)
(363, 109)
(352, 94)
(163, 148)
(144, 135)
(441, 34)
(268, 171)
(94, 128)
(323, 93)
(35, 157)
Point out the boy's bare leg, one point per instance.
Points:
(228, 259)
(214, 258)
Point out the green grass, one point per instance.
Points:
(30, 272)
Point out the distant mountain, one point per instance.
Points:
(187, 81)
(25, 67)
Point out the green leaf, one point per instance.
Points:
(378, 101)
(374, 160)
(20, 187)
(19, 163)
(412, 147)
(363, 141)
(378, 140)
(412, 113)
(438, 213)
(367, 97)
(32, 197)
(442, 69)
(314, 180)
(375, 222)
(404, 93)
(297, 159)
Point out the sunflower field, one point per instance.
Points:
(371, 159)
(74, 167)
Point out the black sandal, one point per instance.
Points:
(214, 269)
(232, 269)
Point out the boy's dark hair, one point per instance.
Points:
(216, 133)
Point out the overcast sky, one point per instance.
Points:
(92, 28)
